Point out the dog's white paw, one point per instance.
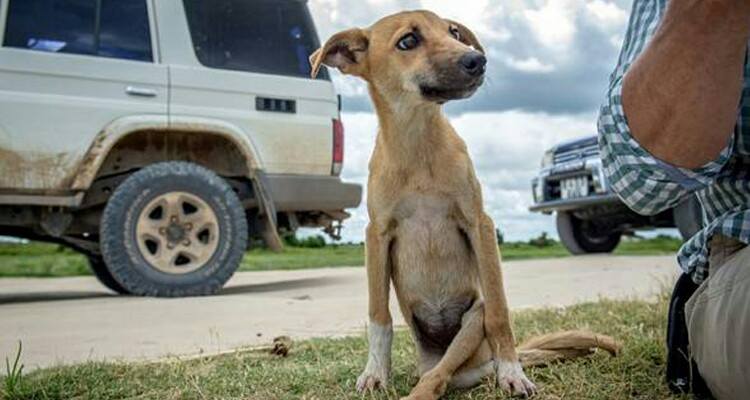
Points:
(511, 378)
(372, 378)
(379, 359)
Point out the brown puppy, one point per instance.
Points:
(428, 232)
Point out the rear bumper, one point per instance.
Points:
(312, 193)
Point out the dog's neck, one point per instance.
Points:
(408, 128)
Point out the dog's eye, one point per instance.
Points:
(408, 42)
(455, 33)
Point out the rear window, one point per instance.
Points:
(105, 28)
(264, 36)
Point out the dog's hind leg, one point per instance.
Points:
(428, 359)
(480, 365)
(434, 382)
(510, 375)
(471, 377)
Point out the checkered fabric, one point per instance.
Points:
(648, 185)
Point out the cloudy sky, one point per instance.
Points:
(549, 62)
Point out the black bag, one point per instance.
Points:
(682, 373)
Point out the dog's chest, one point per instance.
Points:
(429, 244)
(433, 268)
(426, 223)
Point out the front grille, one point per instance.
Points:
(578, 154)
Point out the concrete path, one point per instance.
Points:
(70, 320)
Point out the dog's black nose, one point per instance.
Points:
(473, 63)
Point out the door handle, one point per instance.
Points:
(140, 91)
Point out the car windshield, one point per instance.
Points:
(265, 36)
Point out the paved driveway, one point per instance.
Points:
(74, 319)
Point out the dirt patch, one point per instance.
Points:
(33, 170)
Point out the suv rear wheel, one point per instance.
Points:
(173, 229)
(102, 274)
(580, 236)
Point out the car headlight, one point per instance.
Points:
(537, 189)
(548, 159)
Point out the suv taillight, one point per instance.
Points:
(338, 147)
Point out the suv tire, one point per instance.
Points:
(102, 274)
(577, 236)
(173, 229)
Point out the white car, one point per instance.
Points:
(159, 136)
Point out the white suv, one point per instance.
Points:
(158, 136)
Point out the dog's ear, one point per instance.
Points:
(344, 50)
(466, 36)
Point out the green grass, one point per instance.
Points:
(13, 379)
(301, 257)
(657, 245)
(327, 368)
(47, 260)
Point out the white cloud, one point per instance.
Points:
(607, 14)
(531, 64)
(484, 17)
(553, 23)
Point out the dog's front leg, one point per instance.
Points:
(497, 324)
(380, 330)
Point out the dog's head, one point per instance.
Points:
(414, 53)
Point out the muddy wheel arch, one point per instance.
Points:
(134, 142)
(118, 131)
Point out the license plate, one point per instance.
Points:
(574, 187)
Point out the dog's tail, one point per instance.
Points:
(566, 345)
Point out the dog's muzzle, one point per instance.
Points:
(456, 81)
(473, 63)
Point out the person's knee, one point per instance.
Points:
(718, 322)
